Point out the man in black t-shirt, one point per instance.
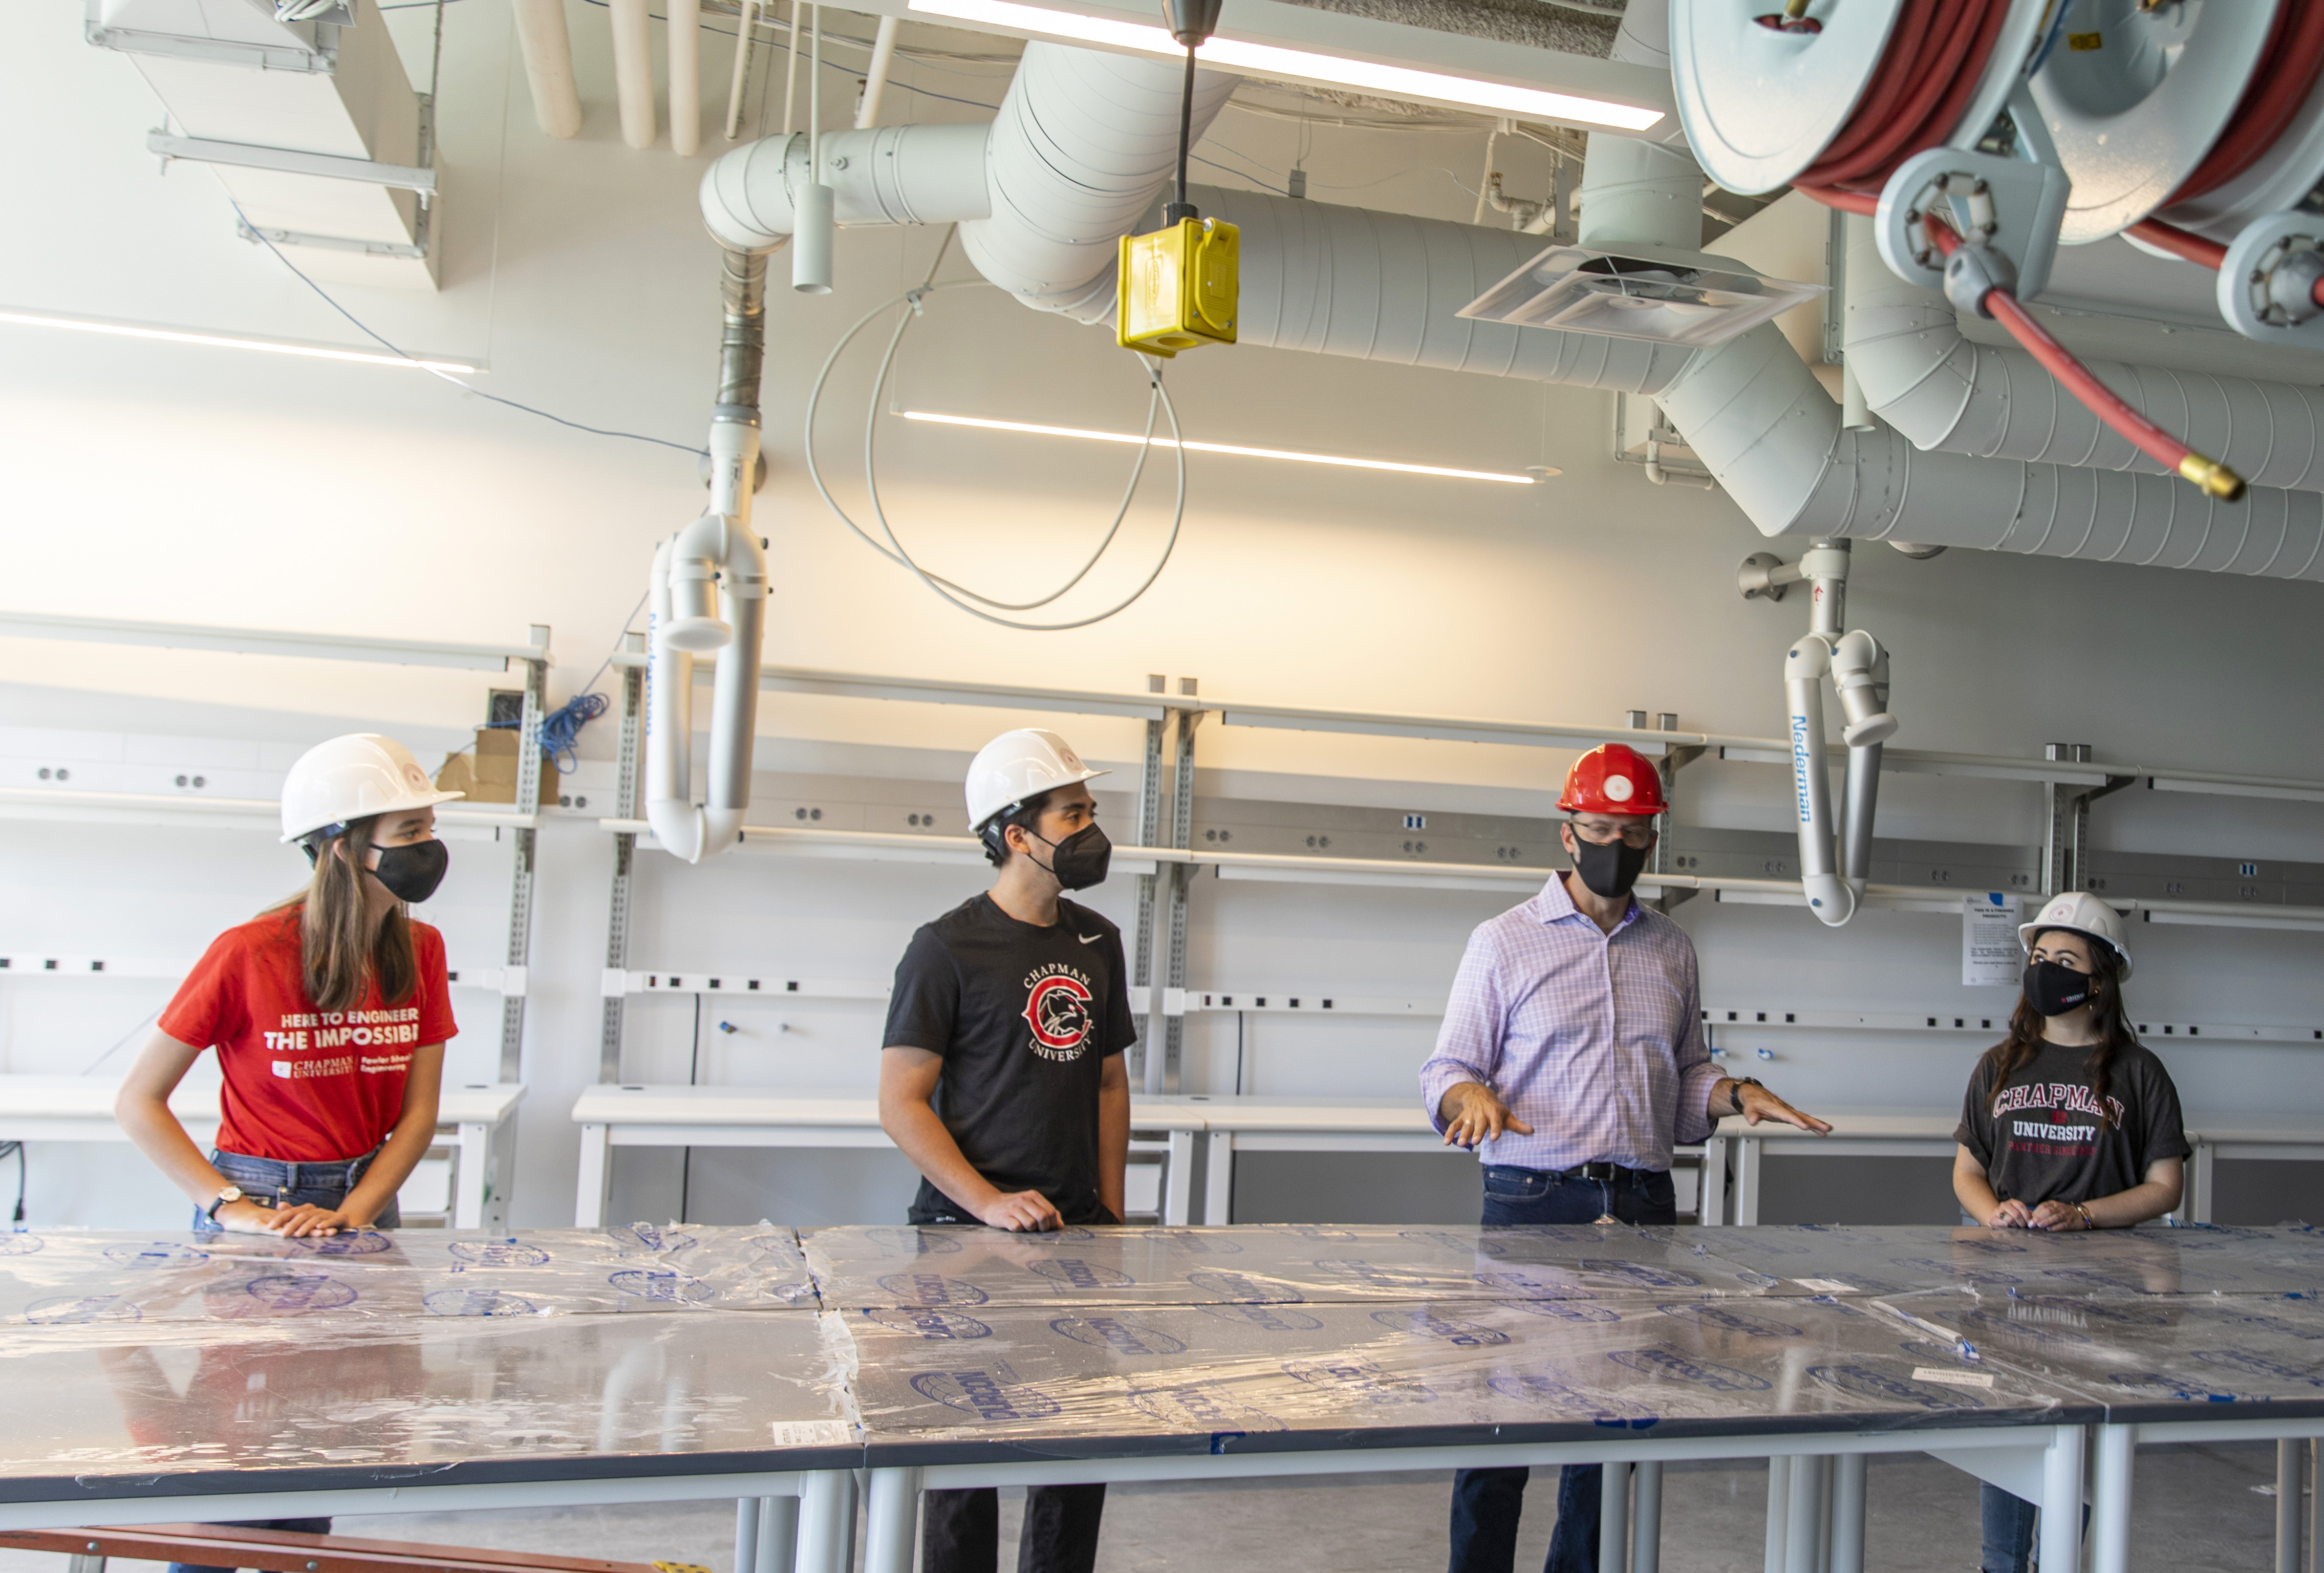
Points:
(1003, 1078)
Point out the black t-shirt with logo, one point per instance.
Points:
(2039, 1135)
(1025, 1018)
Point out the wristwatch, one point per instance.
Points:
(1735, 1094)
(231, 1193)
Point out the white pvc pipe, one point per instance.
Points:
(1905, 350)
(547, 46)
(875, 80)
(895, 174)
(633, 71)
(685, 76)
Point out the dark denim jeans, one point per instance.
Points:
(2009, 1530)
(280, 1184)
(1486, 1502)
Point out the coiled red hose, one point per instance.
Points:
(1936, 55)
(2102, 401)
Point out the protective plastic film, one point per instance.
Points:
(2148, 1261)
(1257, 1264)
(69, 1278)
(2147, 1357)
(155, 1398)
(1441, 1371)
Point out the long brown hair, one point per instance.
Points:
(338, 947)
(2116, 1033)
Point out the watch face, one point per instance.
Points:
(231, 1193)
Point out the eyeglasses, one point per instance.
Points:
(1630, 835)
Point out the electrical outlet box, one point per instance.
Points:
(1178, 287)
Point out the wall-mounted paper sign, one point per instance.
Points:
(1991, 956)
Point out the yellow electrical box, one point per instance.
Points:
(1178, 287)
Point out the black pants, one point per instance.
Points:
(305, 1526)
(1486, 1502)
(960, 1530)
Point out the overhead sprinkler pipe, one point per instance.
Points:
(709, 592)
(1833, 869)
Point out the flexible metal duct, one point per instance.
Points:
(1945, 393)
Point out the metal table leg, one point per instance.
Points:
(1178, 1197)
(2110, 1499)
(746, 1535)
(1710, 1189)
(592, 1192)
(1847, 1512)
(1747, 1179)
(1614, 1518)
(1803, 1516)
(2061, 1499)
(892, 1520)
(1779, 1491)
(1218, 1182)
(1647, 1517)
(779, 1520)
(826, 1521)
(2290, 1458)
(475, 1166)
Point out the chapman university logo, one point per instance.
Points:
(1057, 1009)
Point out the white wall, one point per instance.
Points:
(166, 481)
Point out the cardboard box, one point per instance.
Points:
(487, 771)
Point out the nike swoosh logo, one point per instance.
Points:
(1089, 939)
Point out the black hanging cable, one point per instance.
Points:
(1183, 208)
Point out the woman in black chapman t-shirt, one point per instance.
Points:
(2069, 1124)
(1002, 1078)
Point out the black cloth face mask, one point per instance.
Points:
(411, 872)
(1609, 870)
(2053, 989)
(1081, 860)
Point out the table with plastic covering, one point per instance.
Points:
(164, 1378)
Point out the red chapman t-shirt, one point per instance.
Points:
(304, 1086)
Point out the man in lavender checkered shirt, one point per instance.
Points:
(1572, 1058)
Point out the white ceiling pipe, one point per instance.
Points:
(685, 49)
(633, 71)
(1083, 146)
(875, 80)
(1947, 394)
(1762, 425)
(1634, 192)
(894, 174)
(547, 46)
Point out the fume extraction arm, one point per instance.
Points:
(1858, 669)
(708, 593)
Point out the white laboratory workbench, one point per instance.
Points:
(79, 1109)
(611, 1116)
(1927, 1133)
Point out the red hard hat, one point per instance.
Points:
(1613, 779)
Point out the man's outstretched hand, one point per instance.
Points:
(1759, 1104)
(1473, 1112)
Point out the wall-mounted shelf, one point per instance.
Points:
(78, 805)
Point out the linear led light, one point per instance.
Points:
(175, 335)
(1133, 438)
(1270, 59)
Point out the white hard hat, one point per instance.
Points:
(2081, 913)
(354, 777)
(1017, 765)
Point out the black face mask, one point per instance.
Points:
(2054, 990)
(1611, 869)
(1081, 860)
(412, 872)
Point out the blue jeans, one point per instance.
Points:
(2009, 1530)
(1486, 1502)
(280, 1184)
(276, 1183)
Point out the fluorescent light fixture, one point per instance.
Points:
(1133, 438)
(1647, 292)
(1270, 60)
(178, 336)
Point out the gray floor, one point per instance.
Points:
(2197, 1511)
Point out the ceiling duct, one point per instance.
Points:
(312, 126)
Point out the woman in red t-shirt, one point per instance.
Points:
(328, 1014)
